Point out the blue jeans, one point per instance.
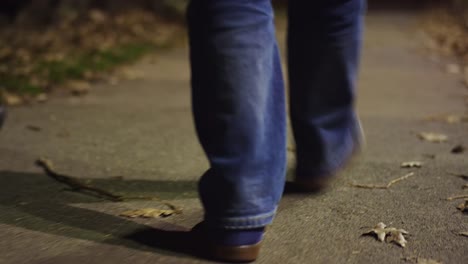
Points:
(239, 107)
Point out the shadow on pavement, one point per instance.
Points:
(36, 202)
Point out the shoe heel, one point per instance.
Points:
(238, 254)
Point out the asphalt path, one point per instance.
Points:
(136, 137)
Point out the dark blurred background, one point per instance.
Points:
(48, 44)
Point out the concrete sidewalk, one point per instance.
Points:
(143, 131)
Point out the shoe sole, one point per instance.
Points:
(236, 254)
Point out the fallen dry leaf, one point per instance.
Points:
(130, 74)
(463, 207)
(419, 260)
(427, 261)
(463, 176)
(33, 128)
(450, 119)
(79, 88)
(411, 164)
(388, 234)
(456, 197)
(11, 99)
(97, 16)
(397, 237)
(41, 98)
(148, 213)
(429, 156)
(458, 149)
(453, 68)
(433, 137)
(463, 234)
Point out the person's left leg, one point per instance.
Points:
(239, 111)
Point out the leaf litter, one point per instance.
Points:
(463, 207)
(449, 119)
(461, 196)
(411, 164)
(456, 197)
(83, 187)
(148, 213)
(427, 261)
(433, 137)
(463, 176)
(387, 186)
(458, 149)
(388, 234)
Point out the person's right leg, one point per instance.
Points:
(324, 41)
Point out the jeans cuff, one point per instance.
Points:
(349, 150)
(242, 222)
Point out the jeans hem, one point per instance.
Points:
(243, 222)
(356, 144)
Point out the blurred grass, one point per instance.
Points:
(76, 67)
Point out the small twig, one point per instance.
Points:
(456, 197)
(369, 186)
(463, 176)
(77, 185)
(374, 186)
(74, 183)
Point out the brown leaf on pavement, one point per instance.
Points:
(463, 176)
(388, 234)
(427, 261)
(433, 137)
(458, 149)
(33, 128)
(97, 16)
(449, 119)
(42, 97)
(419, 260)
(11, 99)
(456, 197)
(148, 213)
(463, 207)
(79, 88)
(129, 74)
(453, 68)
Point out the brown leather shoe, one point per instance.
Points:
(209, 244)
(313, 185)
(237, 254)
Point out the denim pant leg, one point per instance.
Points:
(324, 40)
(239, 110)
